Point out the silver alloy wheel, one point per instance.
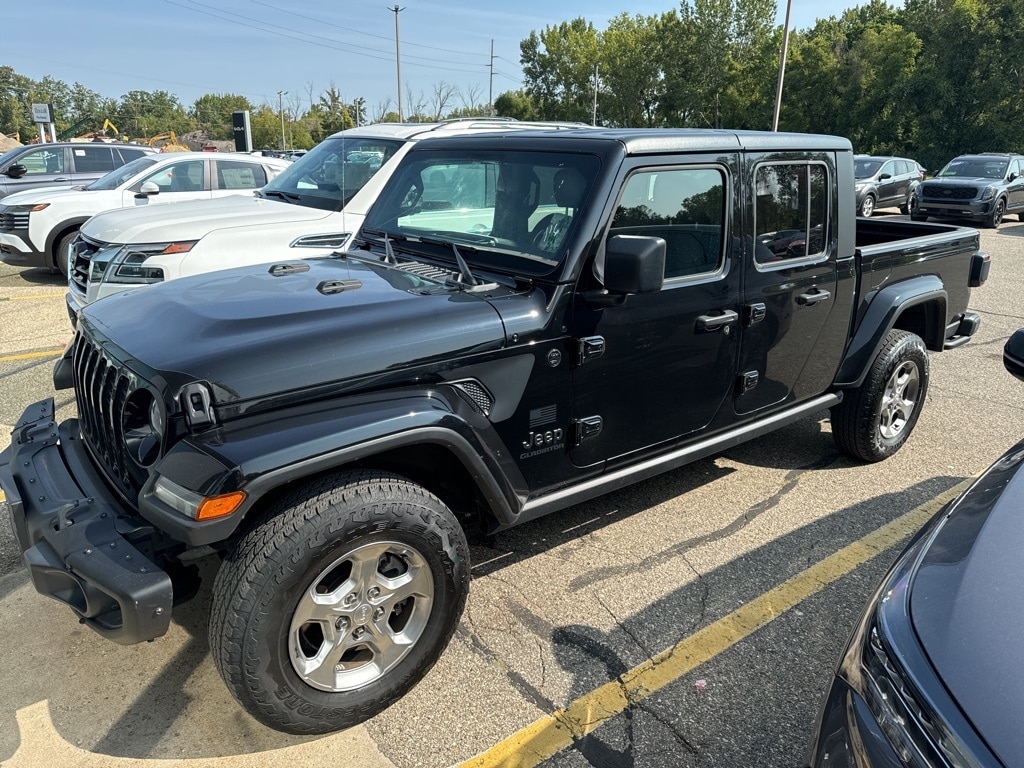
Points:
(360, 616)
(899, 399)
(867, 207)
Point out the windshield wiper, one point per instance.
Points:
(282, 195)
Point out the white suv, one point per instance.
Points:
(37, 225)
(317, 204)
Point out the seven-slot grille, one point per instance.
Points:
(12, 220)
(82, 251)
(101, 388)
(951, 193)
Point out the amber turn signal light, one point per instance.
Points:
(219, 506)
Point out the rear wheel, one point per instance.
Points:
(876, 419)
(338, 601)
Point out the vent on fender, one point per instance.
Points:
(474, 393)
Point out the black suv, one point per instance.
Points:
(981, 187)
(64, 163)
(883, 182)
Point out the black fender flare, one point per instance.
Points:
(881, 316)
(262, 457)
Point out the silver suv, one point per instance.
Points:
(64, 163)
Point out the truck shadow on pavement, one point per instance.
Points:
(165, 699)
(37, 276)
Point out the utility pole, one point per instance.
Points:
(490, 88)
(398, 60)
(593, 120)
(280, 108)
(782, 68)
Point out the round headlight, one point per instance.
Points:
(143, 423)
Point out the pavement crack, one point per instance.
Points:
(622, 625)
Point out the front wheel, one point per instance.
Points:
(993, 220)
(60, 256)
(874, 420)
(867, 207)
(338, 600)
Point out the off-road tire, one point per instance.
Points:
(271, 570)
(874, 420)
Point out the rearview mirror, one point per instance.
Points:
(16, 171)
(1013, 354)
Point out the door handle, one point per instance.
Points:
(810, 299)
(712, 323)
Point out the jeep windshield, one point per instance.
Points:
(509, 211)
(331, 173)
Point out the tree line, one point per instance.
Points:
(929, 80)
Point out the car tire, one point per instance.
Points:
(60, 256)
(905, 208)
(874, 420)
(995, 218)
(338, 600)
(867, 207)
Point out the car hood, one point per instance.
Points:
(967, 605)
(48, 195)
(251, 334)
(194, 219)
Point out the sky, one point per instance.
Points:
(257, 48)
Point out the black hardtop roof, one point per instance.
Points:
(644, 141)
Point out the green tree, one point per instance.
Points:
(518, 104)
(559, 68)
(212, 113)
(144, 114)
(630, 72)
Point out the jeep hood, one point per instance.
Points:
(194, 219)
(250, 333)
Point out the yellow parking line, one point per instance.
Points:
(30, 355)
(551, 734)
(31, 298)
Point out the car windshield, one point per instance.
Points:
(975, 168)
(509, 210)
(119, 176)
(332, 172)
(865, 169)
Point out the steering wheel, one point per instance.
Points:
(550, 232)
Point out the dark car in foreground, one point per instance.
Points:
(982, 187)
(885, 182)
(933, 673)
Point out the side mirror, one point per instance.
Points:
(16, 171)
(148, 188)
(1013, 354)
(885, 176)
(1013, 176)
(634, 264)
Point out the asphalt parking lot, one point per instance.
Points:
(690, 620)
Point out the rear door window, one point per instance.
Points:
(232, 174)
(790, 212)
(93, 159)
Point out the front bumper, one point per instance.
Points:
(17, 249)
(963, 209)
(78, 540)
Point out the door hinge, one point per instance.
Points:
(589, 348)
(747, 381)
(587, 427)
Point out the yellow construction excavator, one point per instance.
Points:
(170, 142)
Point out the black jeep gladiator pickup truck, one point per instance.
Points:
(525, 321)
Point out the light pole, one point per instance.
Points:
(280, 108)
(398, 60)
(782, 68)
